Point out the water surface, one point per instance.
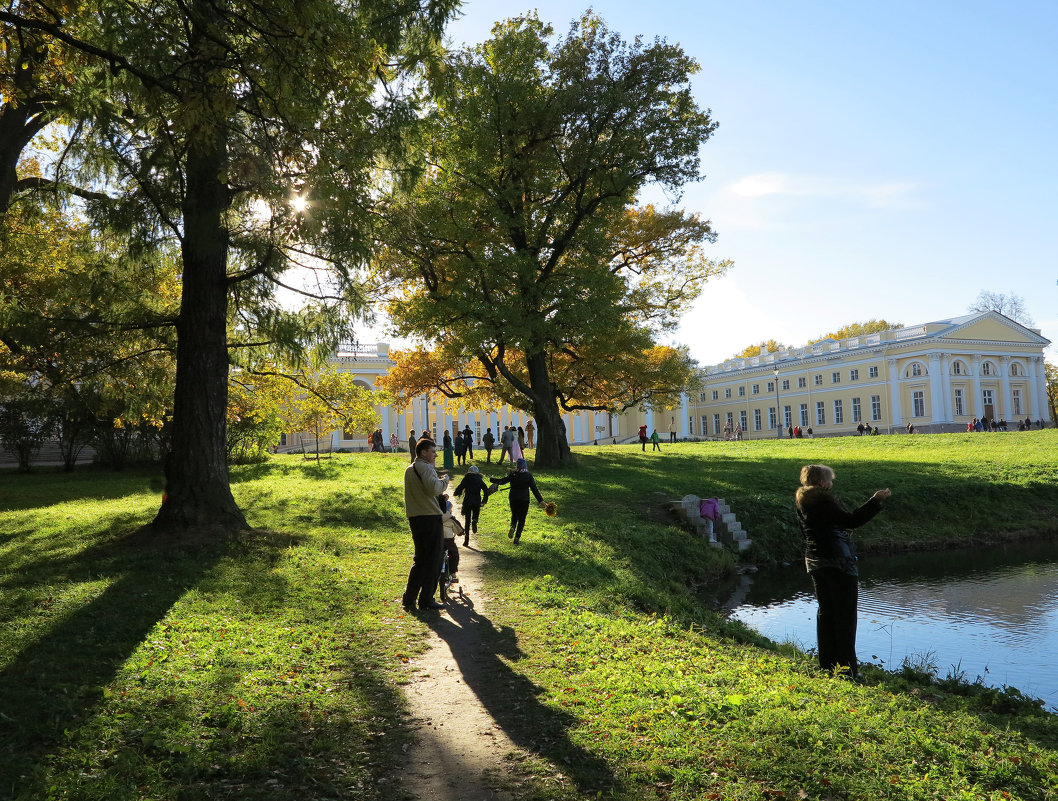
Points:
(988, 614)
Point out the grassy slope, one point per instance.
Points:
(269, 667)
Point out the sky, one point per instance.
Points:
(872, 161)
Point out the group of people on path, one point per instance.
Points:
(457, 448)
(430, 514)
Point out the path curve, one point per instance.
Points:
(459, 752)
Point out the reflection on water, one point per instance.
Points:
(989, 613)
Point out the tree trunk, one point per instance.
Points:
(552, 446)
(197, 491)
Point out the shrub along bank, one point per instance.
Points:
(269, 665)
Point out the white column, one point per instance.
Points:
(1039, 374)
(938, 412)
(577, 433)
(385, 426)
(1004, 375)
(684, 411)
(896, 415)
(978, 404)
(945, 385)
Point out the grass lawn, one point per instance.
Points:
(269, 665)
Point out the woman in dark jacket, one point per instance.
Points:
(460, 446)
(473, 484)
(522, 483)
(830, 559)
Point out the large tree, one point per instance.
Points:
(519, 252)
(1012, 306)
(213, 114)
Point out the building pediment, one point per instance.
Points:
(992, 327)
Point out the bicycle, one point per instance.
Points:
(445, 582)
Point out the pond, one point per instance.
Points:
(989, 614)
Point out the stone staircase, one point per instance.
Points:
(728, 531)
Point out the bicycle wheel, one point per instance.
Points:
(445, 581)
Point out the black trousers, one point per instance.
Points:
(837, 593)
(470, 518)
(519, 510)
(453, 557)
(427, 533)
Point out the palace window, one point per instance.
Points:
(802, 382)
(839, 413)
(986, 368)
(916, 370)
(716, 394)
(1014, 369)
(854, 375)
(705, 428)
(835, 377)
(804, 415)
(756, 419)
(821, 413)
(918, 400)
(787, 414)
(956, 368)
(819, 379)
(772, 422)
(756, 389)
(771, 387)
(742, 392)
(785, 384)
(872, 372)
(742, 421)
(876, 407)
(857, 416)
(959, 411)
(716, 425)
(727, 392)
(1015, 401)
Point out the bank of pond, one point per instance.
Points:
(986, 615)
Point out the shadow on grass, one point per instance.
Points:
(56, 682)
(480, 650)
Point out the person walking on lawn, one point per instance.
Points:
(522, 483)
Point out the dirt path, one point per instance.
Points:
(460, 752)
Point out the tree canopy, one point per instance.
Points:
(872, 326)
(196, 125)
(520, 255)
(1012, 306)
(767, 346)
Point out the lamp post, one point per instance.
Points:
(778, 419)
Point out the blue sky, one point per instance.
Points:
(872, 160)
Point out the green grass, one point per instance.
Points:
(269, 666)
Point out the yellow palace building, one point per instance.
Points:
(938, 376)
(369, 362)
